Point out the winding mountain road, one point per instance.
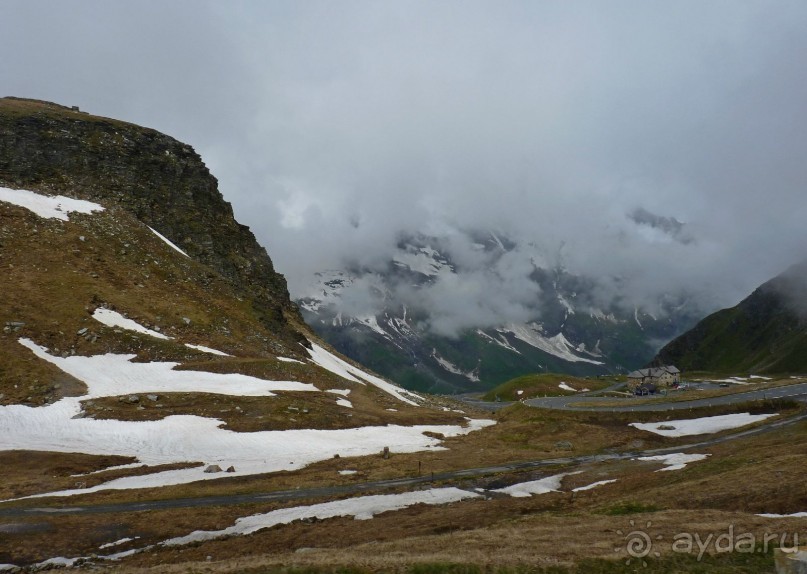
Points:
(445, 478)
(797, 391)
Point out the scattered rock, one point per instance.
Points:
(133, 399)
(564, 445)
(437, 435)
(13, 326)
(665, 427)
(213, 468)
(82, 331)
(230, 469)
(153, 398)
(385, 452)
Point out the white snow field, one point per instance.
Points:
(111, 375)
(59, 427)
(675, 461)
(703, 425)
(49, 207)
(361, 508)
(542, 486)
(557, 345)
(345, 370)
(112, 318)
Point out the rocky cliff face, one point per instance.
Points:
(163, 182)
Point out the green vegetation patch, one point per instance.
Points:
(544, 384)
(630, 507)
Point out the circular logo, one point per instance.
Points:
(638, 543)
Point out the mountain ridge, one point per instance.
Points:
(765, 333)
(163, 182)
(411, 320)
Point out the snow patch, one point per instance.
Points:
(49, 207)
(703, 425)
(593, 485)
(347, 371)
(361, 508)
(207, 350)
(371, 322)
(168, 241)
(675, 461)
(117, 542)
(59, 427)
(542, 486)
(112, 318)
(499, 340)
(472, 375)
(425, 261)
(112, 375)
(557, 345)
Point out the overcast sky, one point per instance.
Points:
(584, 127)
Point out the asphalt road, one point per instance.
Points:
(444, 478)
(797, 391)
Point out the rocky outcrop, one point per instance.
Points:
(163, 182)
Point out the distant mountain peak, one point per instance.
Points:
(508, 313)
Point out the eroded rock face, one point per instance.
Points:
(163, 182)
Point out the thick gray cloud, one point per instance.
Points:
(333, 127)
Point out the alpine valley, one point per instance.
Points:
(164, 408)
(385, 317)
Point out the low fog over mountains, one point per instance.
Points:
(470, 309)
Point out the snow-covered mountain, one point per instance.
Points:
(470, 310)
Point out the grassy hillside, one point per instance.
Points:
(544, 385)
(765, 333)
